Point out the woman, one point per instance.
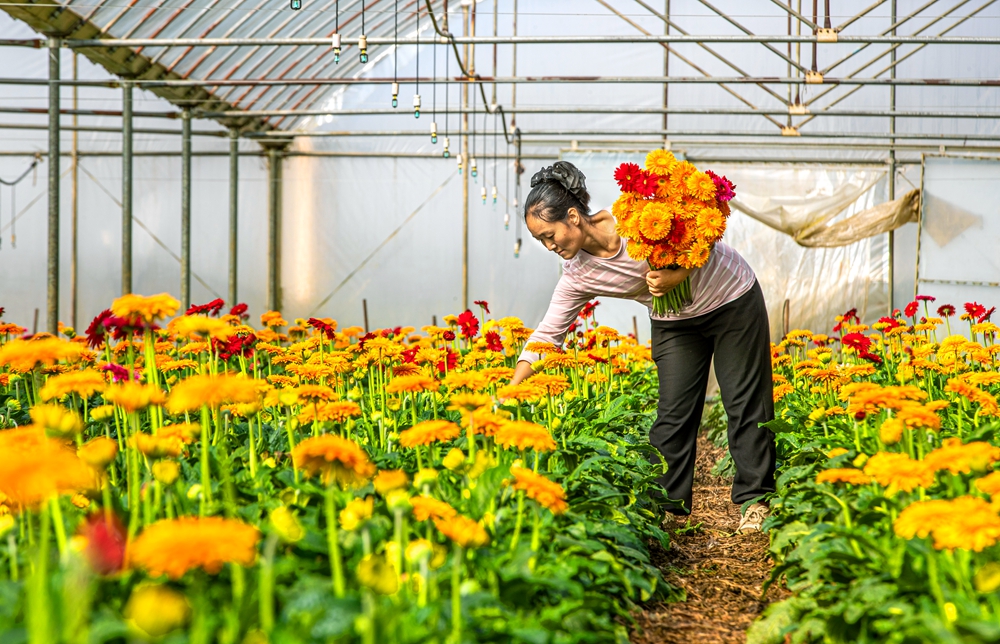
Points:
(727, 318)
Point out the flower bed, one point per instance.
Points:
(302, 483)
(886, 519)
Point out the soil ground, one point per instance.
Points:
(721, 572)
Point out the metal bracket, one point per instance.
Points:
(798, 109)
(788, 130)
(814, 78)
(826, 35)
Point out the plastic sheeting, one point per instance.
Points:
(882, 218)
(959, 231)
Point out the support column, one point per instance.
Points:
(465, 162)
(891, 276)
(275, 156)
(185, 209)
(234, 176)
(126, 188)
(52, 295)
(74, 206)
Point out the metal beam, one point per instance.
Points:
(275, 154)
(526, 40)
(52, 295)
(126, 189)
(539, 80)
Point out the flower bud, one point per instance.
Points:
(286, 525)
(166, 472)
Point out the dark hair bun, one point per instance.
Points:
(568, 176)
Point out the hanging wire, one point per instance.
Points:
(496, 145)
(471, 116)
(416, 96)
(13, 201)
(395, 52)
(506, 214)
(434, 94)
(447, 62)
(363, 40)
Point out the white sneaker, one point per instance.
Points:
(753, 518)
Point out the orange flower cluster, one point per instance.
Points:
(429, 431)
(35, 468)
(463, 531)
(967, 523)
(843, 475)
(334, 458)
(522, 434)
(173, 547)
(425, 507)
(548, 494)
(899, 471)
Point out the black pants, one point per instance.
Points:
(739, 336)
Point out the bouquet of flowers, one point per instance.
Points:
(671, 214)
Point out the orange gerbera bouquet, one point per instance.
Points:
(671, 214)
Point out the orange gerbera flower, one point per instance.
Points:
(484, 422)
(146, 308)
(425, 507)
(411, 384)
(24, 355)
(336, 459)
(471, 380)
(35, 468)
(83, 383)
(548, 494)
(551, 384)
(184, 432)
(655, 221)
(132, 396)
(213, 391)
(188, 325)
(316, 393)
(957, 458)
(843, 475)
(700, 186)
(158, 446)
(429, 431)
(638, 250)
(173, 547)
(468, 402)
(521, 392)
(463, 531)
(522, 434)
(337, 412)
(98, 452)
(388, 480)
(899, 471)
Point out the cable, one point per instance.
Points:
(447, 61)
(434, 94)
(495, 146)
(13, 201)
(416, 96)
(395, 52)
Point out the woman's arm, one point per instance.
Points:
(522, 371)
(563, 308)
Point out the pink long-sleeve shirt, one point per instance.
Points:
(724, 278)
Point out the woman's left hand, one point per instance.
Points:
(660, 282)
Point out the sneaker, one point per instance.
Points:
(753, 518)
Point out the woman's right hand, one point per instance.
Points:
(521, 371)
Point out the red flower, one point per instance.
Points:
(870, 356)
(448, 336)
(588, 309)
(926, 298)
(986, 315)
(469, 324)
(645, 183)
(892, 322)
(857, 341)
(97, 329)
(240, 311)
(571, 328)
(320, 325)
(724, 188)
(912, 308)
(237, 345)
(105, 536)
(365, 338)
(493, 342)
(626, 176)
(388, 333)
(410, 355)
(975, 310)
(677, 232)
(1, 311)
(860, 415)
(118, 372)
(946, 310)
(597, 359)
(452, 358)
(483, 304)
(212, 308)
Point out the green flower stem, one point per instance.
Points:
(12, 556)
(60, 527)
(536, 538)
(471, 435)
(518, 521)
(456, 596)
(206, 472)
(333, 540)
(40, 620)
(265, 584)
(398, 531)
(253, 450)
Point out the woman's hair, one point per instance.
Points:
(556, 189)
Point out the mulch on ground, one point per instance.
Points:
(721, 572)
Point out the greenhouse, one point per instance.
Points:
(286, 354)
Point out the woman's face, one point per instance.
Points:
(564, 238)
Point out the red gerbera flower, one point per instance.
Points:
(860, 342)
(452, 357)
(327, 329)
(483, 304)
(98, 329)
(469, 324)
(926, 298)
(986, 315)
(626, 175)
(974, 309)
(911, 309)
(409, 356)
(240, 311)
(448, 336)
(493, 342)
(106, 539)
(598, 359)
(946, 310)
(645, 184)
(212, 308)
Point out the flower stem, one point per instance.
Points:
(456, 596)
(333, 539)
(206, 472)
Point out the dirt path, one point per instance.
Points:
(721, 572)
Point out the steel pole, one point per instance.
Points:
(234, 175)
(465, 174)
(275, 158)
(127, 134)
(891, 274)
(52, 301)
(185, 209)
(74, 209)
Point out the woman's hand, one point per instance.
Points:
(660, 282)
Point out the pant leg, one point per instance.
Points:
(683, 358)
(743, 367)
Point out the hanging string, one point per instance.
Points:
(395, 52)
(434, 87)
(506, 215)
(496, 145)
(13, 201)
(416, 95)
(471, 116)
